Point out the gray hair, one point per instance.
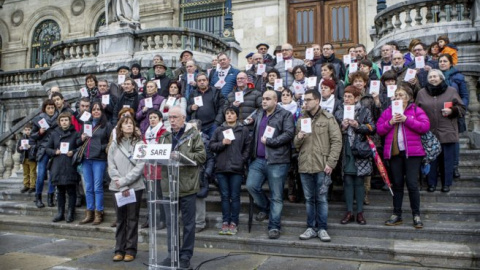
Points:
(103, 80)
(439, 73)
(180, 109)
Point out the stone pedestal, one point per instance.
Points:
(116, 42)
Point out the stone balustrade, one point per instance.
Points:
(74, 49)
(20, 77)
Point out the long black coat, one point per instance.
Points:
(62, 170)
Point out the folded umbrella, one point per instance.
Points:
(379, 163)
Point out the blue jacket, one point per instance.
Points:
(230, 80)
(457, 81)
(423, 74)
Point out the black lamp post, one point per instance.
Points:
(381, 5)
(228, 22)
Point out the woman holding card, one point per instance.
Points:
(231, 143)
(174, 99)
(272, 75)
(152, 100)
(61, 146)
(126, 174)
(300, 84)
(91, 84)
(356, 122)
(443, 123)
(404, 150)
(94, 141)
(328, 73)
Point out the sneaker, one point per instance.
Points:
(232, 230)
(417, 222)
(261, 216)
(24, 189)
(308, 234)
(394, 220)
(273, 234)
(324, 237)
(184, 263)
(224, 230)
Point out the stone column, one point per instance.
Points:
(8, 158)
(2, 154)
(17, 167)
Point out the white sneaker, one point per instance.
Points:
(308, 234)
(324, 237)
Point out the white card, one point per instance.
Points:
(218, 66)
(397, 107)
(87, 129)
(386, 68)
(306, 125)
(228, 134)
(279, 57)
(419, 62)
(171, 101)
(269, 132)
(309, 54)
(288, 64)
(64, 147)
(198, 100)
(190, 78)
(159, 86)
(83, 92)
(353, 67)
(374, 87)
(391, 90)
(347, 59)
(239, 96)
(126, 106)
(138, 82)
(312, 81)
(349, 112)
(220, 83)
(298, 88)
(85, 116)
(106, 99)
(121, 79)
(260, 69)
(278, 84)
(248, 66)
(121, 201)
(410, 74)
(24, 144)
(149, 102)
(43, 123)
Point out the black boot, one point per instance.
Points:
(60, 206)
(72, 199)
(38, 201)
(50, 200)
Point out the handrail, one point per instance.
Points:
(22, 76)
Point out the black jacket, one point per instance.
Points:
(316, 70)
(24, 153)
(252, 100)
(40, 140)
(130, 99)
(110, 108)
(277, 149)
(62, 170)
(164, 81)
(231, 158)
(218, 103)
(95, 148)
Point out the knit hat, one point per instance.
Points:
(122, 67)
(330, 83)
(137, 66)
(232, 108)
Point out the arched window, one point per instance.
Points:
(45, 34)
(100, 22)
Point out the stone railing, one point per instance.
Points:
(180, 38)
(19, 77)
(9, 159)
(74, 49)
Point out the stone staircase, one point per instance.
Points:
(449, 239)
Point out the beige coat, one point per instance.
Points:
(129, 173)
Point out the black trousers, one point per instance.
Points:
(126, 235)
(405, 170)
(71, 190)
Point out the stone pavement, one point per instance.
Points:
(35, 252)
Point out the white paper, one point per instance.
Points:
(126, 106)
(248, 67)
(288, 64)
(121, 79)
(312, 81)
(374, 87)
(306, 125)
(43, 123)
(198, 101)
(24, 144)
(279, 57)
(410, 74)
(83, 92)
(349, 112)
(239, 96)
(85, 116)
(419, 62)
(278, 84)
(121, 201)
(228, 134)
(171, 101)
(269, 132)
(158, 84)
(220, 83)
(64, 147)
(391, 90)
(386, 68)
(260, 69)
(106, 99)
(397, 107)
(138, 82)
(149, 102)
(353, 67)
(298, 88)
(309, 54)
(87, 129)
(190, 78)
(347, 59)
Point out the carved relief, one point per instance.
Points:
(78, 6)
(17, 17)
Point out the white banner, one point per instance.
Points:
(152, 151)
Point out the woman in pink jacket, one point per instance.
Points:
(403, 147)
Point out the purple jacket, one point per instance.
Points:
(142, 116)
(417, 123)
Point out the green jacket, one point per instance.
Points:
(192, 148)
(321, 147)
(151, 74)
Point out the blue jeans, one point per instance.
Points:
(93, 176)
(444, 165)
(275, 174)
(41, 174)
(230, 184)
(316, 203)
(209, 130)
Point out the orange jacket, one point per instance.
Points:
(452, 51)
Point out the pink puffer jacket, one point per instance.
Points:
(417, 123)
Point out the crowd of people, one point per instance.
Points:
(281, 120)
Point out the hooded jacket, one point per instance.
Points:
(62, 170)
(451, 49)
(39, 140)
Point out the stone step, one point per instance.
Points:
(429, 252)
(464, 143)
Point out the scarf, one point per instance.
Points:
(448, 74)
(151, 133)
(434, 91)
(328, 104)
(51, 120)
(292, 107)
(92, 93)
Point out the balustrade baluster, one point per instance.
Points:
(8, 159)
(169, 41)
(398, 23)
(442, 17)
(418, 16)
(17, 166)
(80, 51)
(87, 50)
(161, 42)
(179, 41)
(389, 23)
(151, 42)
(466, 10)
(408, 19)
(3, 147)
